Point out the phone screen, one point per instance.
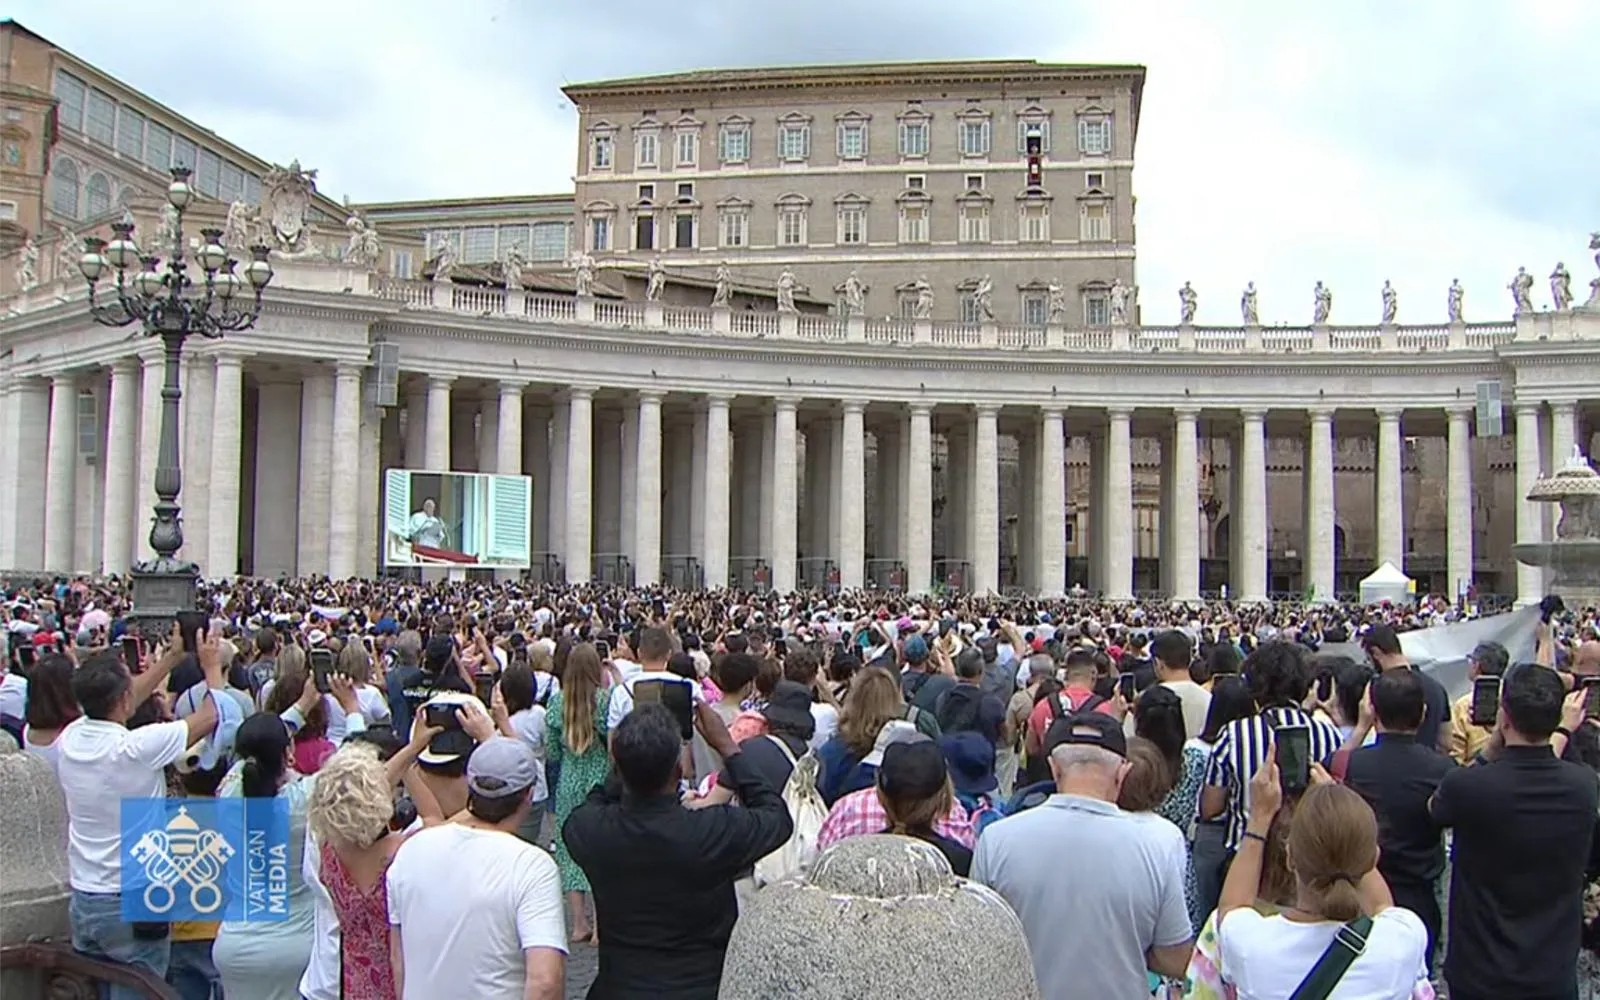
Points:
(321, 667)
(1293, 745)
(483, 687)
(442, 716)
(1485, 701)
(675, 694)
(1591, 697)
(190, 625)
(132, 656)
(1324, 687)
(1127, 686)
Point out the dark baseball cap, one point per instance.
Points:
(912, 770)
(1087, 729)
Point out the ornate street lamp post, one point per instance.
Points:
(173, 306)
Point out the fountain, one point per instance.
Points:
(1573, 559)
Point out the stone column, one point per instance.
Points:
(1458, 502)
(508, 443)
(1319, 554)
(765, 457)
(784, 483)
(1182, 519)
(375, 422)
(853, 497)
(714, 558)
(630, 482)
(1248, 513)
(580, 456)
(647, 474)
(1051, 521)
(1530, 518)
(697, 486)
(488, 434)
(416, 449)
(1563, 435)
(436, 435)
(316, 458)
(199, 400)
(61, 474)
(154, 375)
(343, 531)
(276, 495)
(1119, 529)
(122, 423)
(559, 423)
(536, 463)
(1390, 508)
(986, 502)
(919, 500)
(227, 455)
(10, 469)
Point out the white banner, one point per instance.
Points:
(1442, 651)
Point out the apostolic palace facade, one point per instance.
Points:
(739, 353)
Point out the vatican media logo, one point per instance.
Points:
(205, 859)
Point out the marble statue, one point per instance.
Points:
(1247, 305)
(1056, 302)
(1594, 286)
(1121, 299)
(582, 275)
(363, 249)
(160, 244)
(922, 298)
(1521, 292)
(27, 274)
(724, 290)
(1322, 304)
(1391, 303)
(1594, 244)
(444, 266)
(236, 230)
(286, 194)
(983, 298)
(68, 249)
(656, 284)
(855, 295)
(1187, 302)
(512, 265)
(786, 287)
(1561, 287)
(1452, 301)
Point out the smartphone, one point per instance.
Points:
(675, 694)
(191, 624)
(603, 647)
(1293, 749)
(1324, 687)
(321, 668)
(1128, 686)
(132, 654)
(483, 687)
(1591, 696)
(1485, 707)
(441, 716)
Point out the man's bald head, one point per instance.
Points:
(1587, 659)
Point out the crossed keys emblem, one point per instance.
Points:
(184, 853)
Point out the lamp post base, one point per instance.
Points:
(161, 588)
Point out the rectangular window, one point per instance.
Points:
(914, 139)
(477, 245)
(73, 93)
(600, 152)
(1035, 224)
(852, 225)
(686, 190)
(644, 232)
(252, 190)
(974, 137)
(8, 211)
(971, 315)
(916, 182)
(1096, 309)
(100, 123)
(231, 188)
(1096, 225)
(1094, 137)
(599, 233)
(130, 133)
(183, 152)
(400, 264)
(733, 229)
(207, 172)
(157, 146)
(733, 143)
(853, 141)
(549, 241)
(1094, 180)
(974, 223)
(507, 237)
(683, 231)
(1035, 309)
(645, 151)
(908, 305)
(794, 142)
(1023, 128)
(914, 224)
(792, 227)
(647, 192)
(688, 149)
(974, 182)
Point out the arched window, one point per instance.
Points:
(64, 188)
(97, 195)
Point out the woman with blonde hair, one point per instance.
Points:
(1333, 855)
(355, 662)
(874, 700)
(575, 727)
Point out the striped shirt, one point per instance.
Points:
(1242, 749)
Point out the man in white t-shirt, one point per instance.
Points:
(1171, 651)
(103, 762)
(475, 911)
(655, 649)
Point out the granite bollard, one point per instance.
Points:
(33, 858)
(881, 917)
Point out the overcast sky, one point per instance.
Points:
(1415, 141)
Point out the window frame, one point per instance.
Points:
(851, 127)
(973, 215)
(110, 137)
(725, 132)
(1088, 231)
(1097, 308)
(916, 222)
(60, 183)
(678, 219)
(1099, 125)
(984, 131)
(535, 228)
(63, 82)
(643, 139)
(1033, 222)
(733, 220)
(851, 216)
(692, 136)
(127, 114)
(795, 217)
(920, 126)
(798, 127)
(1035, 308)
(646, 217)
(600, 234)
(603, 140)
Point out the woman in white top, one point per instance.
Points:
(1333, 853)
(517, 715)
(50, 706)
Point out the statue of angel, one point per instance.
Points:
(363, 249)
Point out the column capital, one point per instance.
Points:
(789, 403)
(988, 411)
(1320, 414)
(1185, 414)
(920, 408)
(1563, 406)
(70, 379)
(1252, 414)
(654, 396)
(1119, 412)
(719, 400)
(236, 359)
(513, 386)
(853, 406)
(1460, 411)
(128, 365)
(1525, 409)
(1389, 413)
(1053, 413)
(441, 382)
(341, 369)
(584, 392)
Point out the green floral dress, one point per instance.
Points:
(579, 774)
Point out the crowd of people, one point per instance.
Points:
(1202, 800)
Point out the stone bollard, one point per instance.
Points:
(873, 918)
(33, 857)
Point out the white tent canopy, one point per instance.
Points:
(1387, 583)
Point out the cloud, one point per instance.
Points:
(1350, 143)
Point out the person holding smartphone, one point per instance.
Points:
(1470, 725)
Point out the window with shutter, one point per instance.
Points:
(397, 517)
(510, 506)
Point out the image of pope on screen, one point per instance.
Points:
(459, 519)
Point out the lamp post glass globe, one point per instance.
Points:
(93, 263)
(259, 271)
(179, 194)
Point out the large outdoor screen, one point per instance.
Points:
(456, 519)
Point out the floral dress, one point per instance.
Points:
(364, 926)
(1182, 807)
(579, 774)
